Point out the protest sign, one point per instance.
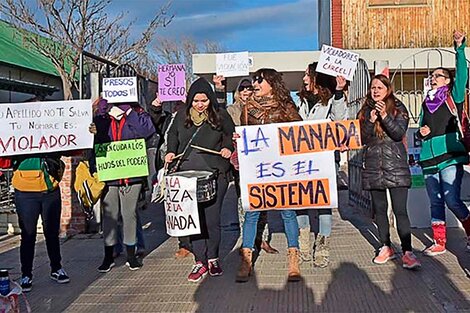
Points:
(121, 159)
(171, 82)
(232, 64)
(291, 165)
(40, 127)
(182, 216)
(120, 89)
(337, 62)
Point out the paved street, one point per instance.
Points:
(351, 284)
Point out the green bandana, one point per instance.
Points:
(196, 117)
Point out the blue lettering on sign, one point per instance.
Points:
(304, 167)
(267, 169)
(254, 145)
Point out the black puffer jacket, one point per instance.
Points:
(385, 160)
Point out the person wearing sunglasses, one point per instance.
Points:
(443, 153)
(271, 103)
(321, 98)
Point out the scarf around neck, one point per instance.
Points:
(435, 98)
(196, 117)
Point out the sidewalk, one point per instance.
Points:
(352, 283)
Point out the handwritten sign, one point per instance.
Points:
(291, 165)
(182, 217)
(40, 127)
(171, 82)
(121, 159)
(233, 64)
(335, 62)
(120, 89)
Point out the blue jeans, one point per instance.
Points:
(325, 220)
(291, 228)
(444, 188)
(29, 205)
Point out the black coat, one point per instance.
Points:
(385, 160)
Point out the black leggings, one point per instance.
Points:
(399, 197)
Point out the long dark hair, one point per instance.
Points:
(279, 90)
(390, 104)
(324, 85)
(212, 116)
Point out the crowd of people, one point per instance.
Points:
(205, 119)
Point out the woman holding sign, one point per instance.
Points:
(443, 154)
(120, 122)
(200, 139)
(384, 122)
(321, 98)
(272, 103)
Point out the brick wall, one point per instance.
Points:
(337, 23)
(72, 219)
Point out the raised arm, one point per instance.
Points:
(461, 68)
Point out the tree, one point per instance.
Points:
(65, 28)
(181, 52)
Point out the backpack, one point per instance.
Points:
(88, 188)
(462, 122)
(37, 174)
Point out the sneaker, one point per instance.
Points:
(410, 261)
(198, 272)
(106, 267)
(60, 276)
(385, 254)
(134, 264)
(214, 268)
(435, 249)
(26, 283)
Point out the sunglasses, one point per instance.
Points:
(258, 79)
(242, 88)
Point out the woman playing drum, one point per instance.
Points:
(205, 125)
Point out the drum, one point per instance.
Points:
(206, 183)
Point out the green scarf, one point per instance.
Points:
(196, 117)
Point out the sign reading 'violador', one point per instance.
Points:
(291, 165)
(121, 159)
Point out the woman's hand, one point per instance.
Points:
(235, 136)
(425, 130)
(92, 129)
(218, 79)
(459, 37)
(225, 153)
(373, 116)
(169, 157)
(340, 82)
(156, 102)
(380, 107)
(343, 148)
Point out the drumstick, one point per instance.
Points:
(178, 156)
(205, 149)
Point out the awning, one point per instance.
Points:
(26, 87)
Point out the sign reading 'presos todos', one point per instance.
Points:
(121, 159)
(171, 82)
(120, 89)
(291, 165)
(337, 62)
(40, 127)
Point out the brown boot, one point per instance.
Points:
(293, 260)
(267, 248)
(182, 253)
(244, 271)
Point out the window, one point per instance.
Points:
(374, 3)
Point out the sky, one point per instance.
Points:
(238, 25)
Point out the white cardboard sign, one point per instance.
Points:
(41, 127)
(233, 64)
(120, 89)
(337, 62)
(182, 216)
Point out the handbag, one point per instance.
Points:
(462, 122)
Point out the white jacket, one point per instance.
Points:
(335, 110)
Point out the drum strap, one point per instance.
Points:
(175, 168)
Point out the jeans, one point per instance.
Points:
(29, 205)
(325, 221)
(291, 228)
(444, 188)
(399, 198)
